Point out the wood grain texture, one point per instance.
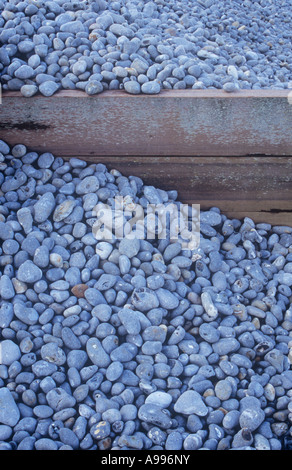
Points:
(214, 148)
(181, 122)
(258, 187)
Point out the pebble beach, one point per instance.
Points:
(144, 46)
(136, 343)
(148, 342)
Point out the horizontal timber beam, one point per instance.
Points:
(233, 151)
(174, 122)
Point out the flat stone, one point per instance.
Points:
(93, 87)
(144, 299)
(251, 418)
(171, 251)
(28, 90)
(132, 87)
(5, 432)
(230, 87)
(51, 352)
(190, 402)
(59, 399)
(9, 352)
(89, 184)
(6, 287)
(79, 67)
(4, 57)
(46, 444)
(28, 272)
(26, 46)
(19, 287)
(41, 256)
(24, 72)
(114, 370)
(43, 368)
(286, 278)
(277, 359)
(96, 353)
(6, 232)
(161, 399)
(150, 88)
(63, 210)
(100, 430)
(124, 353)
(4, 148)
(94, 297)
(210, 217)
(9, 412)
(27, 315)
(103, 249)
(105, 282)
(45, 160)
(48, 88)
(226, 346)
(130, 320)
(72, 27)
(68, 437)
(223, 389)
(167, 299)
(129, 247)
(140, 65)
(6, 314)
(133, 442)
(153, 414)
(25, 219)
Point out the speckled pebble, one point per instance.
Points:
(100, 430)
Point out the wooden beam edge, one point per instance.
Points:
(165, 94)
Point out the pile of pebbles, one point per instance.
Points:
(144, 46)
(136, 344)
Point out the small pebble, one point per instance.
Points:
(133, 87)
(28, 90)
(150, 88)
(9, 352)
(6, 287)
(190, 402)
(28, 272)
(9, 412)
(93, 87)
(48, 88)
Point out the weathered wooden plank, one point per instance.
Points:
(181, 122)
(258, 187)
(136, 134)
(250, 176)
